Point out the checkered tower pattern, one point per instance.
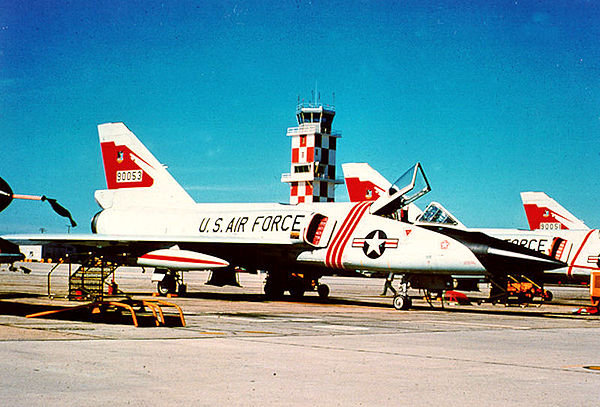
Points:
(317, 152)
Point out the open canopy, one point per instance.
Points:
(409, 187)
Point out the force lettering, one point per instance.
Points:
(534, 244)
(245, 224)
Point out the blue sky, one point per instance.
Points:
(493, 98)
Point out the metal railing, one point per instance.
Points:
(310, 128)
(58, 263)
(309, 105)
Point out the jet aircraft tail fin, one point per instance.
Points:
(366, 184)
(133, 175)
(544, 212)
(363, 182)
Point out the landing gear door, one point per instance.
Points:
(409, 187)
(319, 230)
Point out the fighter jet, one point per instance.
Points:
(578, 247)
(148, 219)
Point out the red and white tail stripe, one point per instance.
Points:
(335, 251)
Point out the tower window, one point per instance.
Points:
(301, 168)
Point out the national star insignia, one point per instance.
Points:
(375, 244)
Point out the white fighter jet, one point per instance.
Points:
(576, 245)
(148, 219)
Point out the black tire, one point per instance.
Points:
(402, 302)
(273, 291)
(166, 286)
(323, 291)
(297, 292)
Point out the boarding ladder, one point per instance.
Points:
(88, 280)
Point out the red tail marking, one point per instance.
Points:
(360, 191)
(536, 215)
(120, 168)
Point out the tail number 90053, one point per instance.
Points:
(129, 176)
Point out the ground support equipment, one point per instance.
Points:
(138, 309)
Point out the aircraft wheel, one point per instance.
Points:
(323, 291)
(296, 287)
(547, 296)
(273, 290)
(297, 292)
(402, 302)
(166, 286)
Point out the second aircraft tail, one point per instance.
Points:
(364, 183)
(544, 212)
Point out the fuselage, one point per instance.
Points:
(331, 236)
(579, 249)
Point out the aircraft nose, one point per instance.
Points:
(497, 254)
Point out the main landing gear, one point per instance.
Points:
(169, 282)
(297, 284)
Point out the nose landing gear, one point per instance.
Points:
(401, 300)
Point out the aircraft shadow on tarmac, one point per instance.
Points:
(22, 309)
(308, 299)
(78, 312)
(502, 310)
(9, 296)
(498, 309)
(75, 313)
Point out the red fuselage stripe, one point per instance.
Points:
(334, 254)
(355, 221)
(570, 270)
(336, 240)
(341, 231)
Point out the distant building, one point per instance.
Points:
(32, 253)
(44, 253)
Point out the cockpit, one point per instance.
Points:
(435, 213)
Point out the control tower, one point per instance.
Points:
(312, 172)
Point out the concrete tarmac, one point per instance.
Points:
(239, 349)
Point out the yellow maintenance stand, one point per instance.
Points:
(595, 289)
